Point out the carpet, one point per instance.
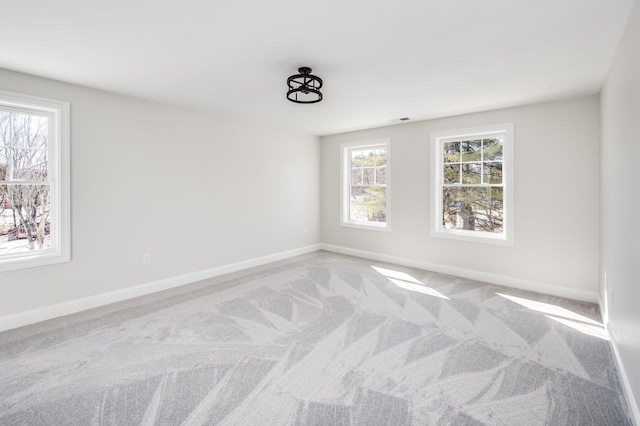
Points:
(321, 339)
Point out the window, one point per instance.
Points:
(34, 181)
(472, 184)
(365, 184)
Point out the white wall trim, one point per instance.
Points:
(53, 311)
(569, 293)
(634, 411)
(437, 230)
(59, 116)
(345, 177)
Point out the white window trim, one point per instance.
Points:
(437, 230)
(344, 186)
(59, 167)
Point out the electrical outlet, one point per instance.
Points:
(146, 258)
(414, 241)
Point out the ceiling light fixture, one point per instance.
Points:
(304, 88)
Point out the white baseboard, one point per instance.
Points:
(49, 312)
(569, 293)
(53, 311)
(634, 411)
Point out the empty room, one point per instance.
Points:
(320, 213)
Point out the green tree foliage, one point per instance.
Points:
(478, 207)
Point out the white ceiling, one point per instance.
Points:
(379, 59)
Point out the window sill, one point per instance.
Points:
(366, 226)
(31, 261)
(473, 237)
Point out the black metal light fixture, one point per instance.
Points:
(304, 88)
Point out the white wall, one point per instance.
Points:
(556, 201)
(194, 191)
(620, 199)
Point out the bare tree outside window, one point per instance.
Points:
(24, 187)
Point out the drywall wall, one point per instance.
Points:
(556, 196)
(192, 189)
(620, 201)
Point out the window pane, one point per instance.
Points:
(23, 164)
(381, 157)
(369, 157)
(471, 173)
(23, 146)
(492, 173)
(452, 173)
(368, 176)
(471, 150)
(5, 128)
(473, 209)
(492, 149)
(23, 130)
(5, 154)
(356, 176)
(357, 159)
(368, 204)
(451, 152)
(24, 218)
(497, 200)
(381, 175)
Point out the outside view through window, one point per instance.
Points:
(368, 184)
(24, 185)
(472, 193)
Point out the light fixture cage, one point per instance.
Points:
(304, 88)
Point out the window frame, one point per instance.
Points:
(437, 230)
(59, 172)
(345, 174)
